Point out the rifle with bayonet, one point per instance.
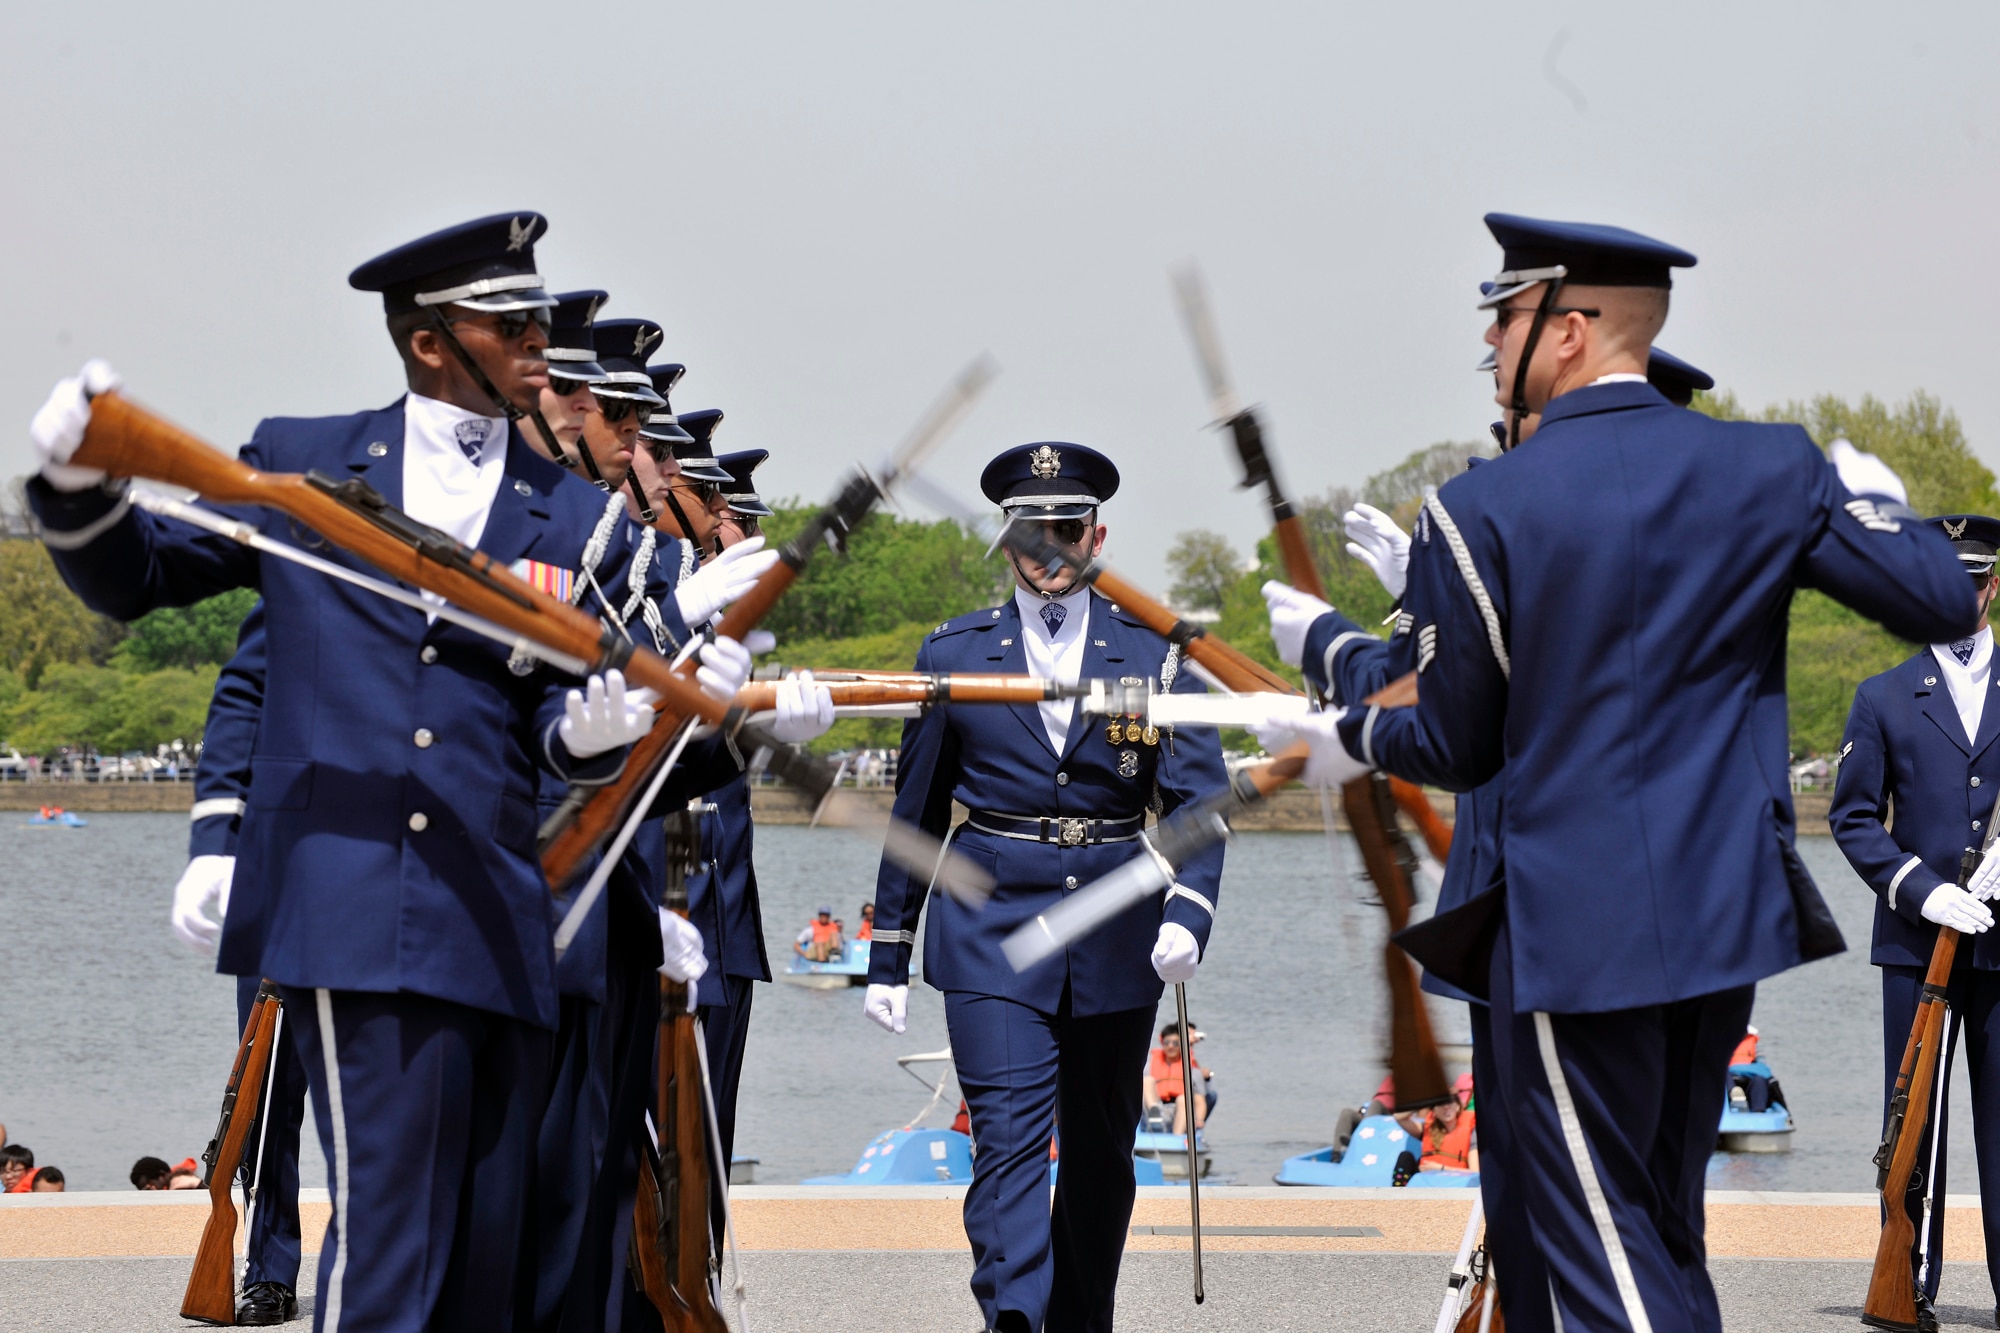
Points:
(1370, 802)
(211, 1287)
(124, 440)
(1892, 1288)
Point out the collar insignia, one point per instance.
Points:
(1045, 463)
(519, 232)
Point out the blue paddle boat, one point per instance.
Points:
(57, 819)
(1368, 1159)
(850, 969)
(1768, 1129)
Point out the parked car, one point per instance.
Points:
(13, 768)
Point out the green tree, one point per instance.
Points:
(160, 707)
(41, 621)
(76, 703)
(186, 636)
(896, 572)
(1203, 566)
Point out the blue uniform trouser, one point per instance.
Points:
(725, 1030)
(1521, 1276)
(1614, 1116)
(1974, 997)
(427, 1115)
(274, 1228)
(1023, 1072)
(569, 1154)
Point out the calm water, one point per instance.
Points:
(117, 1041)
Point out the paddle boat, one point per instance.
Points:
(1745, 1130)
(1157, 1142)
(47, 818)
(850, 969)
(1368, 1158)
(916, 1155)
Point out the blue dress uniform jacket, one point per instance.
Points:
(722, 895)
(997, 758)
(1603, 610)
(392, 805)
(1906, 749)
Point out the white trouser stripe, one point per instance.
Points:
(1901, 875)
(1586, 1174)
(338, 1115)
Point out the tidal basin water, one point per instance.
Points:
(118, 1041)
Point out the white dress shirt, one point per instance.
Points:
(1058, 658)
(442, 486)
(1969, 682)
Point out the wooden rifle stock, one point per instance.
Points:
(677, 1273)
(870, 690)
(211, 1288)
(127, 441)
(1892, 1286)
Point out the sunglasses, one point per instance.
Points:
(1067, 531)
(564, 387)
(511, 324)
(616, 410)
(750, 525)
(1503, 314)
(704, 491)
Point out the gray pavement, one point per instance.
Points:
(866, 1292)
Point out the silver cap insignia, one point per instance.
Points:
(1955, 530)
(519, 232)
(1045, 463)
(643, 339)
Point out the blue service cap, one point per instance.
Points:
(697, 456)
(1584, 253)
(1675, 378)
(622, 347)
(1050, 479)
(663, 427)
(572, 353)
(741, 492)
(488, 265)
(1974, 536)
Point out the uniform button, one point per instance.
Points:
(1062, 780)
(1069, 881)
(1975, 823)
(419, 822)
(423, 738)
(428, 655)
(1975, 782)
(377, 449)
(523, 488)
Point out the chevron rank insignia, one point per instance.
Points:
(554, 580)
(1869, 517)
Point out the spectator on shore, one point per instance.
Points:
(47, 1180)
(150, 1173)
(16, 1161)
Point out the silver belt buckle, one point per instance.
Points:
(1073, 831)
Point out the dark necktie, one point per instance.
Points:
(1052, 616)
(1961, 649)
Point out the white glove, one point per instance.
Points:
(680, 941)
(805, 710)
(1952, 906)
(58, 428)
(201, 901)
(1985, 882)
(1175, 953)
(722, 580)
(1379, 544)
(1292, 615)
(888, 1005)
(605, 715)
(725, 663)
(1865, 474)
(1330, 765)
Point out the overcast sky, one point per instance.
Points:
(831, 208)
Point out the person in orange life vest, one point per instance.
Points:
(1445, 1133)
(1163, 1080)
(1746, 1050)
(820, 941)
(867, 930)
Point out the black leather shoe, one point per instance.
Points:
(267, 1303)
(1926, 1316)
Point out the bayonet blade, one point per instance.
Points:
(1193, 297)
(943, 415)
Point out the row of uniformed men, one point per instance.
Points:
(366, 814)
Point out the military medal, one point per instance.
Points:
(1115, 733)
(1151, 735)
